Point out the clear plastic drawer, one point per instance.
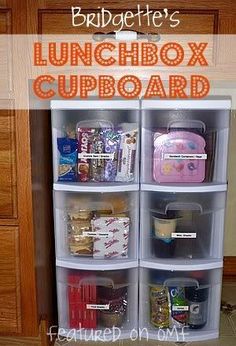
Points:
(177, 226)
(184, 305)
(96, 142)
(96, 226)
(97, 300)
(184, 145)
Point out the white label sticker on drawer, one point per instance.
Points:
(180, 308)
(97, 306)
(176, 156)
(183, 235)
(89, 156)
(98, 234)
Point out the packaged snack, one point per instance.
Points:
(67, 148)
(179, 307)
(97, 165)
(70, 131)
(109, 319)
(79, 243)
(84, 147)
(102, 212)
(179, 156)
(74, 298)
(210, 139)
(112, 293)
(113, 237)
(79, 215)
(126, 156)
(119, 205)
(159, 306)
(81, 295)
(112, 143)
(116, 298)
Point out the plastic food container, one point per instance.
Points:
(97, 299)
(194, 218)
(179, 156)
(88, 148)
(96, 226)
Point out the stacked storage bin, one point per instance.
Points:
(96, 216)
(184, 145)
(182, 210)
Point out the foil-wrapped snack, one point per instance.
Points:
(79, 243)
(112, 143)
(97, 165)
(79, 215)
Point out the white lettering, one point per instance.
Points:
(134, 334)
(105, 13)
(145, 332)
(173, 20)
(103, 17)
(76, 14)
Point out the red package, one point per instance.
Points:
(93, 300)
(90, 297)
(81, 294)
(74, 296)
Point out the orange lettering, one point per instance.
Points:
(106, 86)
(177, 84)
(155, 88)
(129, 94)
(37, 87)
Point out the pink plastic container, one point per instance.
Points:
(179, 156)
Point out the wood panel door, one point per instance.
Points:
(197, 16)
(8, 198)
(18, 305)
(10, 319)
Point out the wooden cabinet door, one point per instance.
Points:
(197, 16)
(7, 125)
(9, 281)
(8, 208)
(16, 230)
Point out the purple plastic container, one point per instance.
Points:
(179, 157)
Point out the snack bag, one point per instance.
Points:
(159, 306)
(67, 148)
(179, 307)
